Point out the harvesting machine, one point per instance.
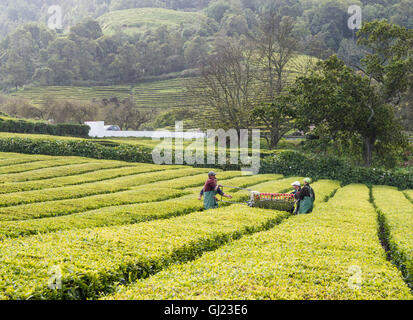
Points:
(274, 201)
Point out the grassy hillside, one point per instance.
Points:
(100, 224)
(139, 20)
(157, 94)
(38, 94)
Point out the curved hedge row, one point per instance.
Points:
(395, 216)
(292, 163)
(288, 163)
(332, 254)
(108, 256)
(83, 148)
(61, 129)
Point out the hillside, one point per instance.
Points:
(140, 20)
(164, 94)
(100, 218)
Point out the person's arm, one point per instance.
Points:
(201, 194)
(303, 193)
(221, 193)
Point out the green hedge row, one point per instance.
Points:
(61, 129)
(82, 148)
(292, 163)
(287, 163)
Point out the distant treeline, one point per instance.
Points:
(32, 54)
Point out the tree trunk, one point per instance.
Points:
(274, 139)
(368, 150)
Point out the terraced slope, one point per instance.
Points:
(163, 94)
(139, 20)
(116, 230)
(333, 253)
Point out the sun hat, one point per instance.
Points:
(296, 183)
(211, 173)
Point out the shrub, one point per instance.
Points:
(108, 256)
(293, 163)
(395, 217)
(25, 126)
(333, 253)
(83, 148)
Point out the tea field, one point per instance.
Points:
(159, 95)
(81, 228)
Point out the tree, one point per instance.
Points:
(20, 53)
(343, 104)
(125, 64)
(16, 71)
(194, 51)
(405, 111)
(388, 64)
(277, 118)
(277, 47)
(389, 59)
(226, 87)
(89, 29)
(19, 107)
(330, 18)
(216, 10)
(127, 115)
(69, 111)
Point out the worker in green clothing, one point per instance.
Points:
(307, 197)
(210, 190)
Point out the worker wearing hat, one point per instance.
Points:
(306, 197)
(296, 193)
(210, 190)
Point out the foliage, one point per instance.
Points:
(152, 35)
(226, 87)
(121, 254)
(126, 114)
(346, 105)
(277, 118)
(106, 226)
(78, 174)
(395, 212)
(332, 254)
(71, 147)
(389, 60)
(37, 127)
(293, 163)
(94, 188)
(132, 213)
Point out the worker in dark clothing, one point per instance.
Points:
(307, 197)
(210, 190)
(219, 191)
(296, 193)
